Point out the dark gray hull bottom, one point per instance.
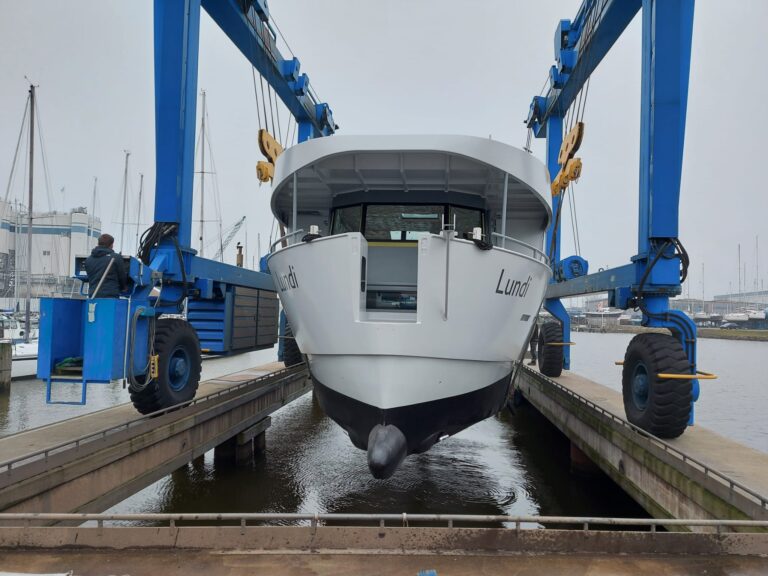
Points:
(389, 435)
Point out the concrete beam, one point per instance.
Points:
(384, 540)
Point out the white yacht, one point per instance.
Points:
(411, 274)
(24, 359)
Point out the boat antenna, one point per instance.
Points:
(138, 210)
(125, 198)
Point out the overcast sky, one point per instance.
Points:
(401, 66)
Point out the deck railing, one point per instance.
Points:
(515, 245)
(383, 519)
(288, 240)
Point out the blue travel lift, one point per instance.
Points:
(660, 379)
(144, 338)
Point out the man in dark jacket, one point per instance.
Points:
(98, 264)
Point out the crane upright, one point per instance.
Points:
(660, 377)
(149, 346)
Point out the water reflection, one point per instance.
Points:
(511, 464)
(505, 465)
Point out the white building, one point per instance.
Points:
(57, 237)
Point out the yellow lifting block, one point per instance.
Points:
(573, 169)
(265, 171)
(571, 143)
(560, 183)
(270, 147)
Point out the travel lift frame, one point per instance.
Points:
(125, 338)
(660, 374)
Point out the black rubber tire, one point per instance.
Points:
(550, 357)
(171, 334)
(292, 356)
(665, 408)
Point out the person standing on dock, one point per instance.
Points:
(105, 270)
(534, 343)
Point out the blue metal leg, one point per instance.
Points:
(556, 308)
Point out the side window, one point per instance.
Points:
(347, 219)
(466, 219)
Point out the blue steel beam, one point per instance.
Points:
(580, 46)
(246, 23)
(667, 34)
(553, 305)
(177, 38)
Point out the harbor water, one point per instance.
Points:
(510, 464)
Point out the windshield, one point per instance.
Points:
(398, 222)
(403, 222)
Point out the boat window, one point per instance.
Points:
(402, 222)
(347, 219)
(466, 219)
(390, 300)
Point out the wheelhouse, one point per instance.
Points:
(395, 190)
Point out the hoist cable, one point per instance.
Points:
(271, 110)
(264, 102)
(277, 113)
(288, 130)
(11, 176)
(256, 96)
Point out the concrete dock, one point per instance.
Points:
(89, 463)
(205, 563)
(698, 475)
(350, 544)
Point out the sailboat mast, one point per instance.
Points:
(202, 175)
(29, 210)
(125, 199)
(138, 210)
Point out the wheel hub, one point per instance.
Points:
(178, 369)
(640, 386)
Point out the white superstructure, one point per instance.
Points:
(412, 274)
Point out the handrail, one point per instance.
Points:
(380, 519)
(705, 468)
(537, 254)
(284, 239)
(279, 377)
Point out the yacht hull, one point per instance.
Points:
(422, 424)
(429, 372)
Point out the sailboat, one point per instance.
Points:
(24, 340)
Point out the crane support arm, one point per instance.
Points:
(247, 24)
(177, 39)
(580, 46)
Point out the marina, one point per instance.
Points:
(411, 357)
